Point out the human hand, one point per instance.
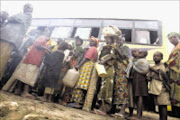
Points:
(77, 67)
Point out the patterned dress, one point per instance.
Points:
(107, 83)
(121, 82)
(79, 93)
(174, 66)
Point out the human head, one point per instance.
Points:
(135, 53)
(28, 8)
(157, 57)
(174, 38)
(109, 39)
(4, 15)
(143, 54)
(120, 40)
(63, 46)
(78, 41)
(93, 41)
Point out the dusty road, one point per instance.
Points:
(36, 110)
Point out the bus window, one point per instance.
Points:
(83, 33)
(154, 37)
(146, 25)
(95, 32)
(142, 36)
(146, 37)
(127, 33)
(61, 32)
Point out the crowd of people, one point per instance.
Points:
(30, 66)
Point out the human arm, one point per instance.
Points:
(122, 51)
(81, 63)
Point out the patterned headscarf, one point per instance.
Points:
(94, 39)
(173, 33)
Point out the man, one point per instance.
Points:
(12, 34)
(3, 17)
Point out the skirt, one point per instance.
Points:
(78, 94)
(121, 85)
(107, 86)
(175, 88)
(5, 53)
(140, 86)
(25, 73)
(163, 98)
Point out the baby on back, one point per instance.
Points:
(138, 63)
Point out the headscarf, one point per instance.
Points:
(172, 34)
(96, 40)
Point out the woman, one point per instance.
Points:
(121, 82)
(174, 68)
(28, 69)
(60, 88)
(85, 68)
(53, 63)
(107, 58)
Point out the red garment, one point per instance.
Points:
(35, 56)
(91, 54)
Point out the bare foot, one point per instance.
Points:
(42, 99)
(17, 92)
(27, 95)
(49, 98)
(134, 118)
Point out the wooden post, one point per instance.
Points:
(91, 91)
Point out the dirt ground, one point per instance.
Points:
(27, 109)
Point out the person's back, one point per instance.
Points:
(53, 63)
(16, 27)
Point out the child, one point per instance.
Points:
(140, 89)
(159, 85)
(54, 63)
(64, 90)
(130, 71)
(78, 50)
